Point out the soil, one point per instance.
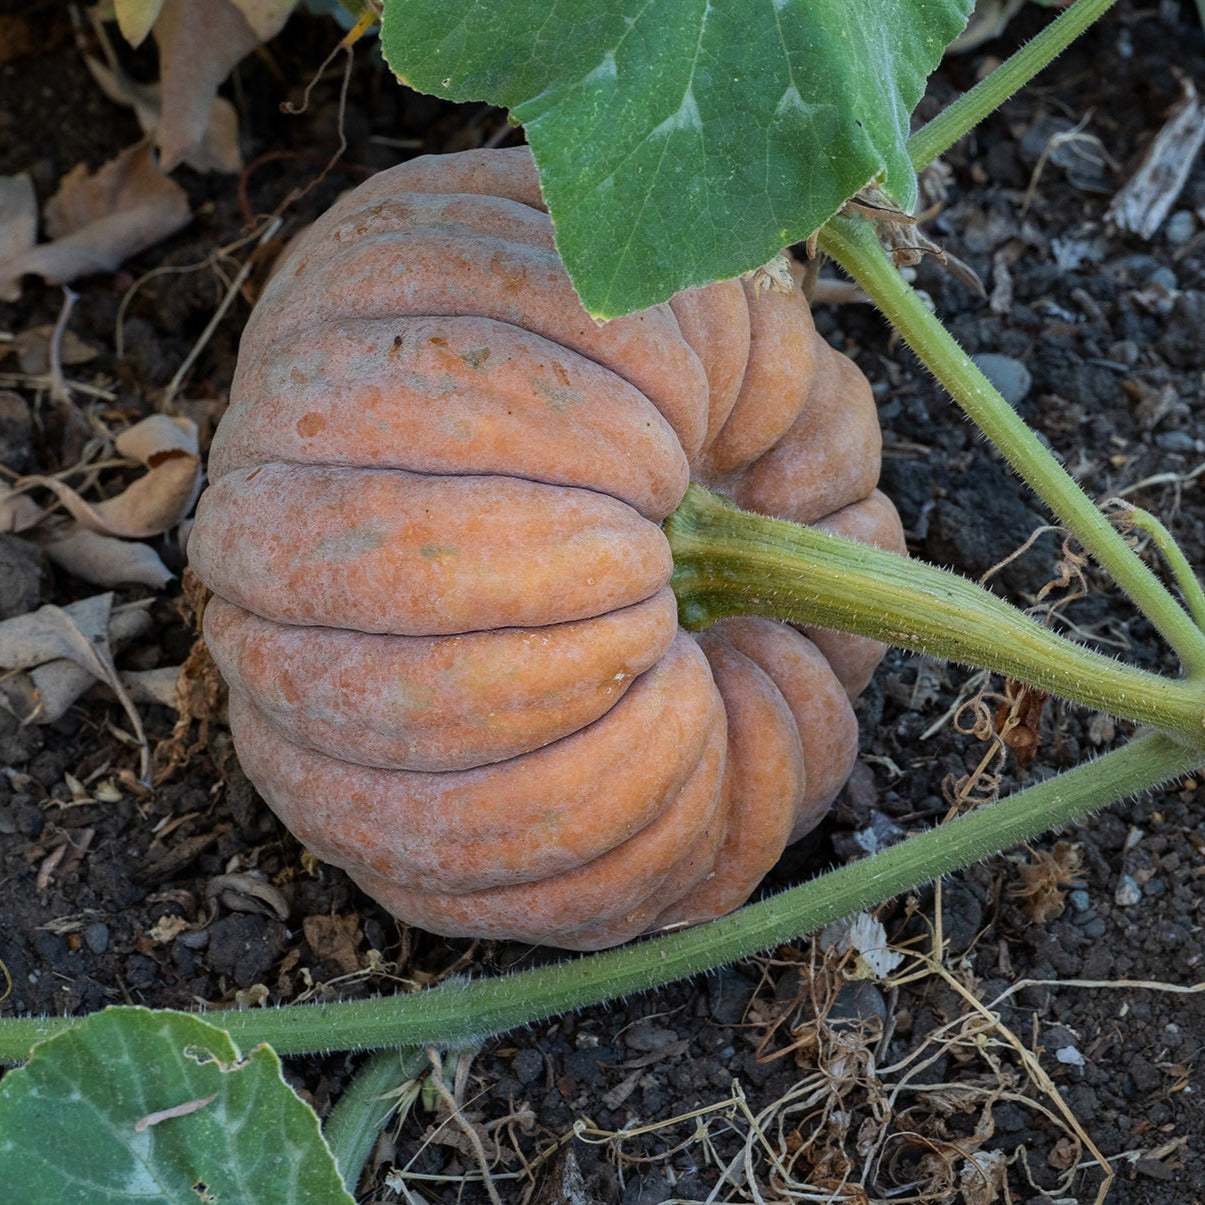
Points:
(1099, 334)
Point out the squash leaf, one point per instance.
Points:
(685, 141)
(158, 1107)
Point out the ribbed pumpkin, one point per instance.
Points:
(440, 584)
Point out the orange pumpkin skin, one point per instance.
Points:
(441, 591)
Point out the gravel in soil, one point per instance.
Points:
(192, 894)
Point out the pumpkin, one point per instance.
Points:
(440, 585)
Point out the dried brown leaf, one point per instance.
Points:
(105, 560)
(199, 44)
(201, 697)
(78, 632)
(53, 632)
(154, 685)
(18, 228)
(982, 1177)
(1019, 721)
(58, 684)
(218, 148)
(1044, 879)
(334, 939)
(166, 929)
(33, 349)
(100, 219)
(18, 512)
(153, 503)
(245, 892)
(131, 183)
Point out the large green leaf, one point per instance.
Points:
(683, 141)
(158, 1108)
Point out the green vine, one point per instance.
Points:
(463, 1013)
(852, 243)
(959, 118)
(731, 562)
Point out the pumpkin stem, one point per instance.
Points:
(732, 562)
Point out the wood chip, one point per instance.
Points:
(1147, 197)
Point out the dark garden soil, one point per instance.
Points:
(1096, 337)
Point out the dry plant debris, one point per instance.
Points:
(199, 45)
(1045, 879)
(153, 503)
(96, 221)
(1148, 196)
(97, 543)
(77, 634)
(218, 148)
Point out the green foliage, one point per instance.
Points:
(84, 1121)
(686, 141)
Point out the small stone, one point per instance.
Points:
(649, 1038)
(196, 940)
(243, 946)
(1128, 892)
(1176, 441)
(21, 576)
(881, 832)
(728, 995)
(1164, 278)
(1069, 1056)
(96, 937)
(1180, 227)
(859, 1001)
(1008, 375)
(860, 790)
(16, 432)
(528, 1066)
(1081, 901)
(1126, 351)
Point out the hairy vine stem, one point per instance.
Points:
(1173, 555)
(466, 1012)
(995, 88)
(853, 244)
(731, 562)
(367, 1104)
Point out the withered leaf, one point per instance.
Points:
(218, 148)
(105, 560)
(78, 633)
(59, 683)
(18, 227)
(18, 512)
(154, 502)
(154, 685)
(98, 220)
(334, 939)
(199, 44)
(1019, 721)
(245, 892)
